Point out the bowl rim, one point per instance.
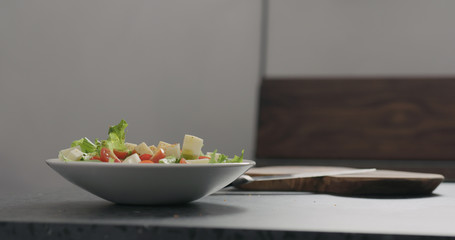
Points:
(56, 161)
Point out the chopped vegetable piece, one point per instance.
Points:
(116, 137)
(158, 155)
(85, 145)
(71, 154)
(107, 156)
(191, 147)
(146, 161)
(146, 156)
(236, 158)
(168, 160)
(172, 150)
(163, 145)
(121, 154)
(143, 149)
(130, 146)
(134, 158)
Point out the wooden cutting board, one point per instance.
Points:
(379, 182)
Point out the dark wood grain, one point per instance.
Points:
(378, 183)
(357, 118)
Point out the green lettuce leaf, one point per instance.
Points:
(116, 137)
(86, 145)
(213, 157)
(236, 158)
(222, 158)
(115, 140)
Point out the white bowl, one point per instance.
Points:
(150, 184)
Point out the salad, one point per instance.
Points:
(115, 150)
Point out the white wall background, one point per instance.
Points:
(69, 69)
(361, 37)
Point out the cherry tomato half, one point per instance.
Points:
(146, 161)
(120, 154)
(106, 154)
(145, 157)
(158, 155)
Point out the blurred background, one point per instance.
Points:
(69, 69)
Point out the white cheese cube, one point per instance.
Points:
(143, 149)
(172, 150)
(130, 146)
(134, 158)
(191, 148)
(153, 148)
(71, 154)
(163, 145)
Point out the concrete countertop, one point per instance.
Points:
(72, 213)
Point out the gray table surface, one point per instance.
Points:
(72, 213)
